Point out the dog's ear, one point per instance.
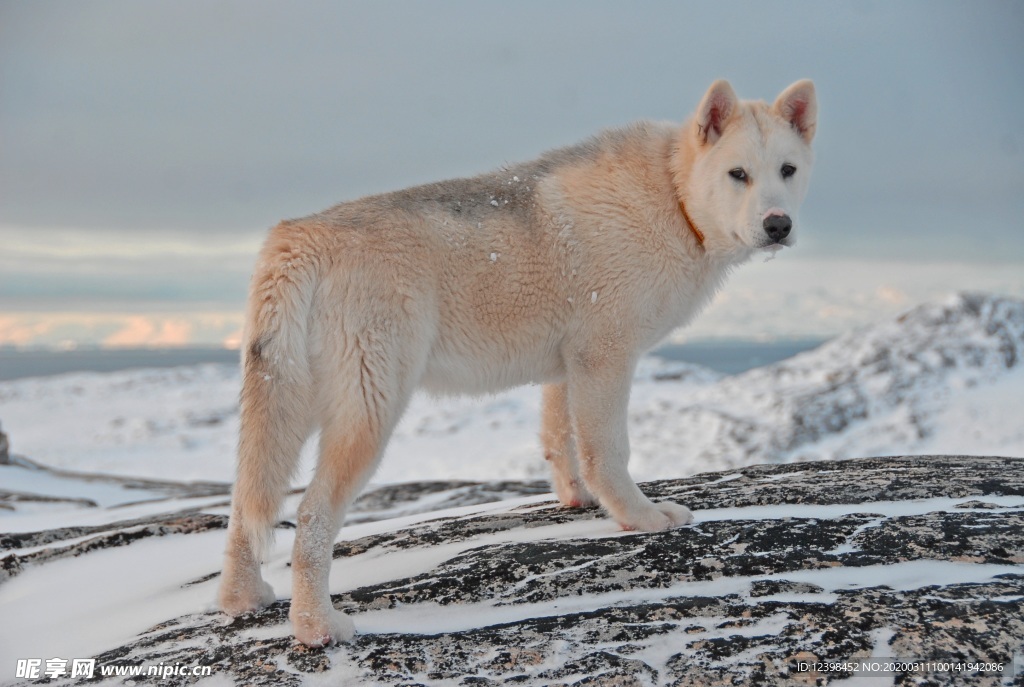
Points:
(715, 111)
(799, 106)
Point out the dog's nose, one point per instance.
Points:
(777, 227)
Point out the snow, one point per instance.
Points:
(983, 419)
(940, 390)
(50, 516)
(885, 508)
(131, 588)
(174, 422)
(103, 494)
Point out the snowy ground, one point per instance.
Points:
(182, 423)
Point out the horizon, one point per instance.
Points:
(726, 356)
(784, 299)
(74, 347)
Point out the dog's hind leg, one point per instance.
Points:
(367, 391)
(276, 419)
(560, 448)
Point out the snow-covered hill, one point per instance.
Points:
(942, 378)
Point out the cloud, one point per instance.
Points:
(105, 270)
(118, 329)
(63, 243)
(891, 295)
(141, 331)
(20, 331)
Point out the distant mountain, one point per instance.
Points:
(879, 390)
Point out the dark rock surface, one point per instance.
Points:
(5, 447)
(918, 557)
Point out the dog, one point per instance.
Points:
(561, 272)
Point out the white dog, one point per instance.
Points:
(560, 271)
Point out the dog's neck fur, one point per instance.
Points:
(697, 233)
(680, 162)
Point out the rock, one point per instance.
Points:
(914, 557)
(5, 447)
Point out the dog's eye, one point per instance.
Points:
(739, 174)
(788, 170)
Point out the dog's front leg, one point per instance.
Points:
(598, 403)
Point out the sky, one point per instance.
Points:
(145, 148)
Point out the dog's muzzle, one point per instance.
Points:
(777, 227)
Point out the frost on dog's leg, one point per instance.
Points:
(315, 621)
(560, 448)
(598, 400)
(347, 460)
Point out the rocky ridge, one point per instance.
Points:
(914, 557)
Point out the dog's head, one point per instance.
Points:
(751, 164)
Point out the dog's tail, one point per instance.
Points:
(277, 385)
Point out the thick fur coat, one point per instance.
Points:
(561, 272)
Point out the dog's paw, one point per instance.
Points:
(571, 491)
(238, 598)
(657, 517)
(574, 495)
(678, 514)
(319, 629)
